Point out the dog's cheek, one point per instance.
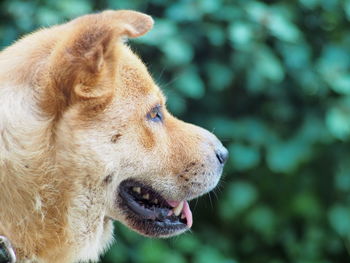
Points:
(147, 137)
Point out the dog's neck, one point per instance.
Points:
(27, 173)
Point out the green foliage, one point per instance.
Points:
(271, 79)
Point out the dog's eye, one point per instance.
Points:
(155, 114)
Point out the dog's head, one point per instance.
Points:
(114, 134)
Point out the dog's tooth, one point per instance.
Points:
(183, 216)
(177, 210)
(137, 189)
(145, 196)
(155, 201)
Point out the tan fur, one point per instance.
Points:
(73, 106)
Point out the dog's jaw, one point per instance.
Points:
(149, 213)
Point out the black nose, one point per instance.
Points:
(222, 155)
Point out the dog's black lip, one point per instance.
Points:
(135, 207)
(150, 222)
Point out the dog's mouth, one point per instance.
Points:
(150, 214)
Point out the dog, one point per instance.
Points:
(86, 139)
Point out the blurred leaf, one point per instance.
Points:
(17, 9)
(244, 157)
(257, 10)
(8, 35)
(262, 219)
(338, 122)
(122, 4)
(177, 104)
(282, 28)
(342, 179)
(333, 66)
(224, 128)
(216, 34)
(219, 76)
(241, 195)
(347, 9)
(209, 255)
(286, 156)
(240, 34)
(310, 3)
(190, 83)
(187, 243)
(301, 55)
(48, 16)
(306, 205)
(209, 6)
(74, 8)
(181, 11)
(177, 51)
(164, 30)
(269, 65)
(339, 217)
(116, 253)
(154, 251)
(341, 84)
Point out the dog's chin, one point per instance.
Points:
(145, 211)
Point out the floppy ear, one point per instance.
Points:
(81, 67)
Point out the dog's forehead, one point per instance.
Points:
(134, 78)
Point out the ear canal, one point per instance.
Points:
(83, 62)
(95, 59)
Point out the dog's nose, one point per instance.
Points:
(222, 154)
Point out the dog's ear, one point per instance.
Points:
(81, 67)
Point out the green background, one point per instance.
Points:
(271, 79)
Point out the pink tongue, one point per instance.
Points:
(186, 211)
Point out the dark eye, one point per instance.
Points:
(155, 114)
